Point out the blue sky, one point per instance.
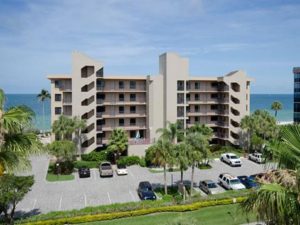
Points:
(261, 37)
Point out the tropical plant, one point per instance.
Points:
(248, 124)
(202, 129)
(118, 142)
(78, 126)
(63, 150)
(278, 199)
(12, 191)
(63, 127)
(181, 158)
(163, 155)
(276, 106)
(17, 142)
(43, 96)
(170, 132)
(198, 150)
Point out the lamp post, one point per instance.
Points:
(57, 170)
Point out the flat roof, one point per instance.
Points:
(59, 77)
(125, 77)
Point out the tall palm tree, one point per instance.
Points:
(170, 132)
(247, 123)
(181, 157)
(118, 141)
(198, 144)
(17, 143)
(78, 126)
(276, 106)
(278, 200)
(202, 129)
(162, 152)
(43, 96)
(63, 127)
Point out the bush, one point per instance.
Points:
(66, 168)
(88, 164)
(95, 156)
(129, 160)
(143, 162)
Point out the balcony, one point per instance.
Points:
(125, 127)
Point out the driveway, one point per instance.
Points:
(79, 193)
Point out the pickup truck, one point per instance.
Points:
(106, 170)
(231, 159)
(256, 157)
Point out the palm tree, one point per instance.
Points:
(43, 96)
(278, 200)
(276, 106)
(198, 144)
(169, 132)
(181, 158)
(17, 143)
(202, 129)
(63, 127)
(162, 152)
(78, 126)
(118, 141)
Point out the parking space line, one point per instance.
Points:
(108, 197)
(85, 200)
(34, 203)
(132, 196)
(95, 175)
(60, 202)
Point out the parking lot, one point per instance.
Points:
(82, 192)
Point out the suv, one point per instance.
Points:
(106, 170)
(256, 157)
(231, 159)
(209, 187)
(145, 191)
(230, 182)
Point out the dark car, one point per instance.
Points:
(84, 172)
(248, 182)
(145, 191)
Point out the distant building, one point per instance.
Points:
(142, 104)
(296, 72)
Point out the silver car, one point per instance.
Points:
(210, 187)
(106, 170)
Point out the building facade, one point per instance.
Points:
(142, 104)
(296, 71)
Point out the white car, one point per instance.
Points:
(256, 157)
(231, 159)
(121, 170)
(230, 182)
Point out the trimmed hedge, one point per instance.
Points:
(88, 164)
(139, 212)
(129, 160)
(95, 156)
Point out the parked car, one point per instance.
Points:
(84, 172)
(230, 182)
(145, 191)
(209, 187)
(248, 182)
(121, 170)
(106, 170)
(231, 158)
(256, 157)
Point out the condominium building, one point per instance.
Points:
(296, 71)
(142, 104)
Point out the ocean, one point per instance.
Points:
(257, 101)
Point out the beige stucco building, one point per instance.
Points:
(142, 104)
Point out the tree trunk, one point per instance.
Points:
(275, 113)
(43, 117)
(192, 178)
(181, 175)
(165, 180)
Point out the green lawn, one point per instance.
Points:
(217, 215)
(53, 177)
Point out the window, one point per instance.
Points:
(188, 86)
(214, 95)
(180, 111)
(121, 109)
(214, 118)
(188, 97)
(57, 97)
(180, 98)
(132, 84)
(132, 122)
(196, 108)
(57, 110)
(196, 119)
(57, 84)
(121, 97)
(121, 122)
(132, 134)
(180, 85)
(214, 107)
(196, 97)
(132, 97)
(132, 109)
(197, 85)
(214, 84)
(121, 84)
(188, 109)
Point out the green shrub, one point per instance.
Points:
(95, 156)
(143, 162)
(129, 160)
(88, 164)
(66, 168)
